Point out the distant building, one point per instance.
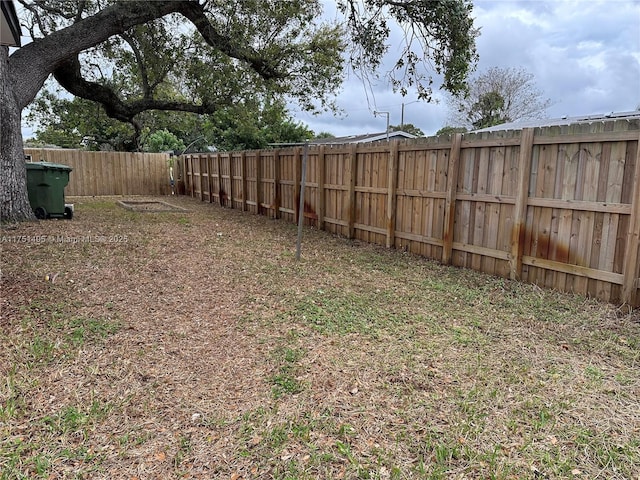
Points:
(365, 138)
(555, 122)
(9, 24)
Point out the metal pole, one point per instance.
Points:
(376, 113)
(387, 126)
(301, 209)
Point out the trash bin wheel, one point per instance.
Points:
(68, 213)
(40, 213)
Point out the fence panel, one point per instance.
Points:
(558, 207)
(110, 173)
(336, 191)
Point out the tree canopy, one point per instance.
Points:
(496, 96)
(407, 127)
(448, 130)
(80, 123)
(130, 56)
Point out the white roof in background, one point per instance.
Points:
(552, 122)
(367, 137)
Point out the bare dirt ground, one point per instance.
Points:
(139, 345)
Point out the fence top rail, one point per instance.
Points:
(93, 152)
(621, 136)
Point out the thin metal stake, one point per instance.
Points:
(301, 209)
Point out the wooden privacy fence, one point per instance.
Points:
(110, 173)
(558, 207)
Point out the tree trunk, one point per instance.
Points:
(14, 201)
(22, 76)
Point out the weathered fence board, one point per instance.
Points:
(557, 206)
(110, 173)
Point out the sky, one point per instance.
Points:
(584, 56)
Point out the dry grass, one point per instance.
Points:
(192, 345)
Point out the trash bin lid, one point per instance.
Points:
(47, 166)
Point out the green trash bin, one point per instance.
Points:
(45, 185)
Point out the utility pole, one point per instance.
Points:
(402, 113)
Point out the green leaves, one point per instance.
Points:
(235, 60)
(163, 141)
(439, 37)
(496, 96)
(253, 125)
(488, 110)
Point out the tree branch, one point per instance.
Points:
(196, 14)
(70, 78)
(144, 76)
(31, 65)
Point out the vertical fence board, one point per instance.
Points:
(630, 270)
(545, 189)
(613, 194)
(522, 193)
(419, 204)
(259, 182)
(321, 187)
(450, 202)
(297, 178)
(276, 183)
(493, 225)
(243, 179)
(351, 172)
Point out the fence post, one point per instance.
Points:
(520, 209)
(391, 193)
(630, 266)
(321, 189)
(353, 165)
(243, 179)
(276, 183)
(450, 199)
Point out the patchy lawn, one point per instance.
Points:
(140, 345)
